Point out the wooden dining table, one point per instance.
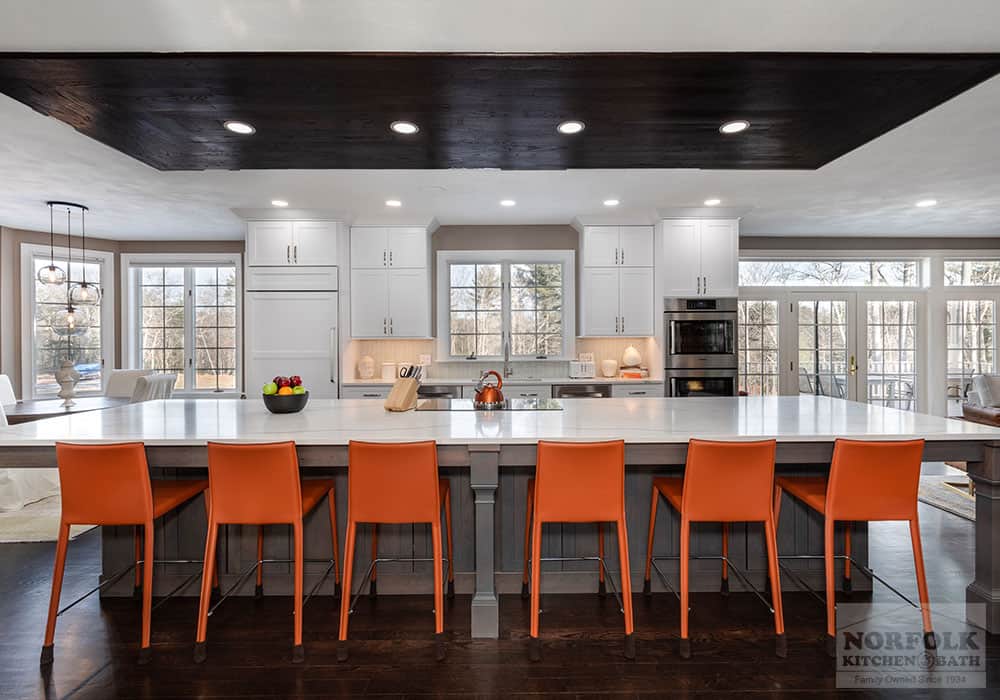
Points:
(37, 409)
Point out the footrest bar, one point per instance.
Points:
(113, 579)
(239, 581)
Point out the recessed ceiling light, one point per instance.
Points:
(393, 203)
(611, 202)
(239, 127)
(403, 127)
(927, 203)
(735, 127)
(279, 203)
(713, 202)
(571, 127)
(507, 202)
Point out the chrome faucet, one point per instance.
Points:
(507, 370)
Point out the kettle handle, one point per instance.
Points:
(495, 374)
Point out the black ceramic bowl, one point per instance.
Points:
(286, 404)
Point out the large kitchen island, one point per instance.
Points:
(489, 455)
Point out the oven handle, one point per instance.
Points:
(700, 316)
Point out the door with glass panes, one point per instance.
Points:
(888, 325)
(823, 334)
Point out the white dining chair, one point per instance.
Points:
(6, 391)
(121, 382)
(154, 386)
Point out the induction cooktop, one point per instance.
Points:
(508, 405)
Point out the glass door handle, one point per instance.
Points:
(853, 367)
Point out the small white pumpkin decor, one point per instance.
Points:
(631, 357)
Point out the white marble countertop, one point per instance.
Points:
(645, 420)
(510, 381)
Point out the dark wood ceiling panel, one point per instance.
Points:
(487, 111)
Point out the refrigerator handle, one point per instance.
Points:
(333, 355)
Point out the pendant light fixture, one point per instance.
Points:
(84, 293)
(52, 274)
(67, 322)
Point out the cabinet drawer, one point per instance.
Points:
(624, 391)
(291, 279)
(379, 391)
(526, 391)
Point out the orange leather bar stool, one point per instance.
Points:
(393, 483)
(444, 495)
(579, 483)
(525, 591)
(259, 484)
(868, 481)
(110, 485)
(723, 482)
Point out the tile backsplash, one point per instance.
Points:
(408, 350)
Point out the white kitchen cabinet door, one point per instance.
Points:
(269, 243)
(360, 391)
(369, 247)
(720, 257)
(292, 333)
(636, 301)
(315, 243)
(635, 248)
(600, 246)
(409, 303)
(599, 301)
(407, 247)
(369, 303)
(681, 257)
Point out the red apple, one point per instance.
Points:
(295, 380)
(282, 381)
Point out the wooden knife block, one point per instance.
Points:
(403, 395)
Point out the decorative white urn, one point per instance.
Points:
(366, 367)
(67, 377)
(631, 357)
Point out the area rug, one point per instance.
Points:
(36, 522)
(949, 493)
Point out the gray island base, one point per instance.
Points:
(489, 457)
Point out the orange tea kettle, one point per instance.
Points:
(487, 395)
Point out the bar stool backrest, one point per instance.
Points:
(256, 483)
(104, 484)
(580, 481)
(393, 482)
(728, 481)
(158, 386)
(6, 390)
(874, 480)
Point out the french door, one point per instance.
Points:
(825, 340)
(856, 345)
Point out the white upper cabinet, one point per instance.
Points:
(636, 246)
(368, 247)
(315, 243)
(409, 303)
(269, 243)
(618, 246)
(600, 246)
(407, 247)
(287, 243)
(390, 282)
(701, 257)
(393, 246)
(635, 300)
(616, 281)
(599, 308)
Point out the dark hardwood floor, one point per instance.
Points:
(392, 654)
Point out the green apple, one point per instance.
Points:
(270, 389)
(298, 389)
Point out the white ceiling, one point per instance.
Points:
(951, 153)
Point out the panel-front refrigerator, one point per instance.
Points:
(292, 331)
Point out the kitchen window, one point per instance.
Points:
(183, 317)
(971, 345)
(46, 341)
(972, 273)
(525, 298)
(758, 347)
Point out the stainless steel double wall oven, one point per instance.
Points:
(700, 336)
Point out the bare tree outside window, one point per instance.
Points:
(829, 273)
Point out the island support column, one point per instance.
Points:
(484, 464)
(985, 589)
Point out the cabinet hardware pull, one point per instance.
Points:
(385, 326)
(372, 396)
(288, 253)
(384, 259)
(390, 326)
(295, 253)
(390, 258)
(623, 325)
(623, 256)
(616, 256)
